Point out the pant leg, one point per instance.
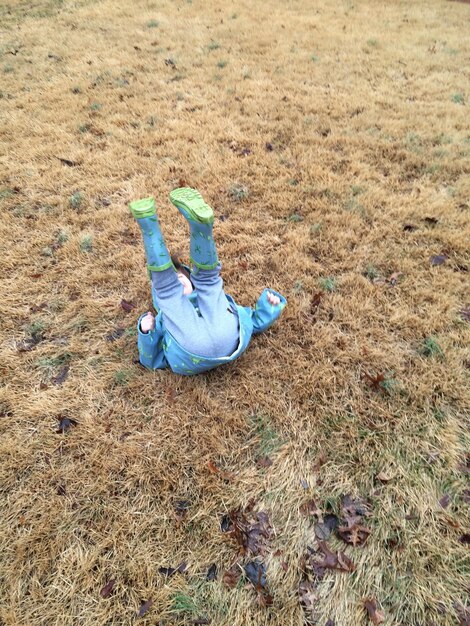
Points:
(215, 309)
(180, 318)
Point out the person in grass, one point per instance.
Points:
(198, 326)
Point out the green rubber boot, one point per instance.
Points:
(200, 216)
(145, 213)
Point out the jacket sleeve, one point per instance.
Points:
(265, 313)
(150, 345)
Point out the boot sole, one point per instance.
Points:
(143, 208)
(191, 204)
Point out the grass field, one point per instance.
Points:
(333, 140)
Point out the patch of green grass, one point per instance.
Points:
(315, 228)
(8, 69)
(238, 192)
(356, 190)
(458, 98)
(84, 128)
(373, 43)
(221, 64)
(298, 287)
(217, 78)
(328, 284)
(153, 24)
(51, 363)
(371, 272)
(432, 348)
(6, 193)
(295, 217)
(47, 252)
(86, 244)
(432, 168)
(62, 237)
(442, 139)
(265, 435)
(314, 58)
(246, 75)
(36, 329)
(75, 200)
(213, 45)
(80, 324)
(95, 106)
(122, 377)
(233, 16)
(183, 603)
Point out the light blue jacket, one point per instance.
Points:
(158, 349)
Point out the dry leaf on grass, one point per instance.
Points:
(213, 469)
(375, 616)
(212, 573)
(465, 313)
(310, 508)
(444, 501)
(108, 588)
(144, 607)
(61, 376)
(65, 423)
(333, 560)
(252, 532)
(352, 530)
(232, 576)
(169, 571)
(127, 305)
(438, 259)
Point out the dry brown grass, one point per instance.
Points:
(365, 108)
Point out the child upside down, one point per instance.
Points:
(198, 327)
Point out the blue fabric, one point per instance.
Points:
(155, 248)
(202, 249)
(211, 329)
(159, 349)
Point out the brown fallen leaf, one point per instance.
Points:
(170, 571)
(376, 381)
(315, 302)
(375, 616)
(61, 376)
(213, 469)
(144, 607)
(181, 509)
(465, 313)
(68, 162)
(212, 572)
(115, 334)
(410, 227)
(108, 588)
(384, 477)
(438, 259)
(310, 508)
(232, 576)
(127, 305)
(432, 221)
(264, 461)
(353, 531)
(65, 423)
(445, 501)
(338, 561)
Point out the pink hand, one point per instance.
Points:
(147, 323)
(272, 299)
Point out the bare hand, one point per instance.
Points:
(147, 323)
(272, 299)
